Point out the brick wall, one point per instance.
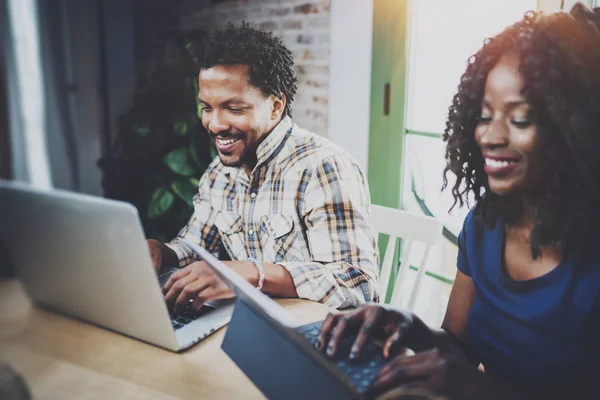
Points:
(157, 30)
(303, 25)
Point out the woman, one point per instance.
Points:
(523, 138)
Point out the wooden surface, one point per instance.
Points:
(62, 358)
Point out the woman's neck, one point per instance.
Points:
(524, 218)
(528, 215)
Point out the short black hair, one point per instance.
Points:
(560, 64)
(271, 64)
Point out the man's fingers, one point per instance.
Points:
(177, 286)
(199, 300)
(190, 292)
(208, 293)
(176, 276)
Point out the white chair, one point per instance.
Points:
(410, 228)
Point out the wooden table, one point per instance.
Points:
(62, 358)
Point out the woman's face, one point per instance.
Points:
(506, 134)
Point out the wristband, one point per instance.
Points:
(261, 272)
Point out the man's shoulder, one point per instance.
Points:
(311, 149)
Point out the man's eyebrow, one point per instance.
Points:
(234, 100)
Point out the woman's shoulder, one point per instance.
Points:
(472, 224)
(477, 234)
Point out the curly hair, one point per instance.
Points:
(560, 63)
(271, 64)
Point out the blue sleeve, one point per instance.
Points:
(462, 261)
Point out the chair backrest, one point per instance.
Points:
(409, 227)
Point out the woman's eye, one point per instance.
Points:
(522, 123)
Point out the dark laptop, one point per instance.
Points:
(279, 356)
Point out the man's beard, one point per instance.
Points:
(244, 156)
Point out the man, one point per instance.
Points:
(291, 208)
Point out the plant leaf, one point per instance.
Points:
(198, 105)
(194, 154)
(213, 151)
(160, 237)
(180, 127)
(160, 202)
(178, 161)
(142, 130)
(185, 190)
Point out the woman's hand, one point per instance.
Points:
(368, 321)
(441, 374)
(426, 370)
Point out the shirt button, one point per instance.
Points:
(253, 195)
(251, 232)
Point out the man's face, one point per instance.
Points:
(236, 114)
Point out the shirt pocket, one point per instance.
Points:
(230, 227)
(279, 240)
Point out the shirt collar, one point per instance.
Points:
(271, 145)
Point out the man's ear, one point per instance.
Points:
(278, 106)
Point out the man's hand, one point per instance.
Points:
(197, 282)
(161, 254)
(155, 252)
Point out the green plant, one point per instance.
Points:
(161, 149)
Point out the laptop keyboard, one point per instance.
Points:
(188, 314)
(360, 373)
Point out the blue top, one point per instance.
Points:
(542, 335)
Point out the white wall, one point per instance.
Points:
(302, 25)
(570, 3)
(30, 110)
(549, 6)
(74, 155)
(120, 59)
(351, 30)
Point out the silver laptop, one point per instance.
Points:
(87, 257)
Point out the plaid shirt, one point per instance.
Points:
(305, 207)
